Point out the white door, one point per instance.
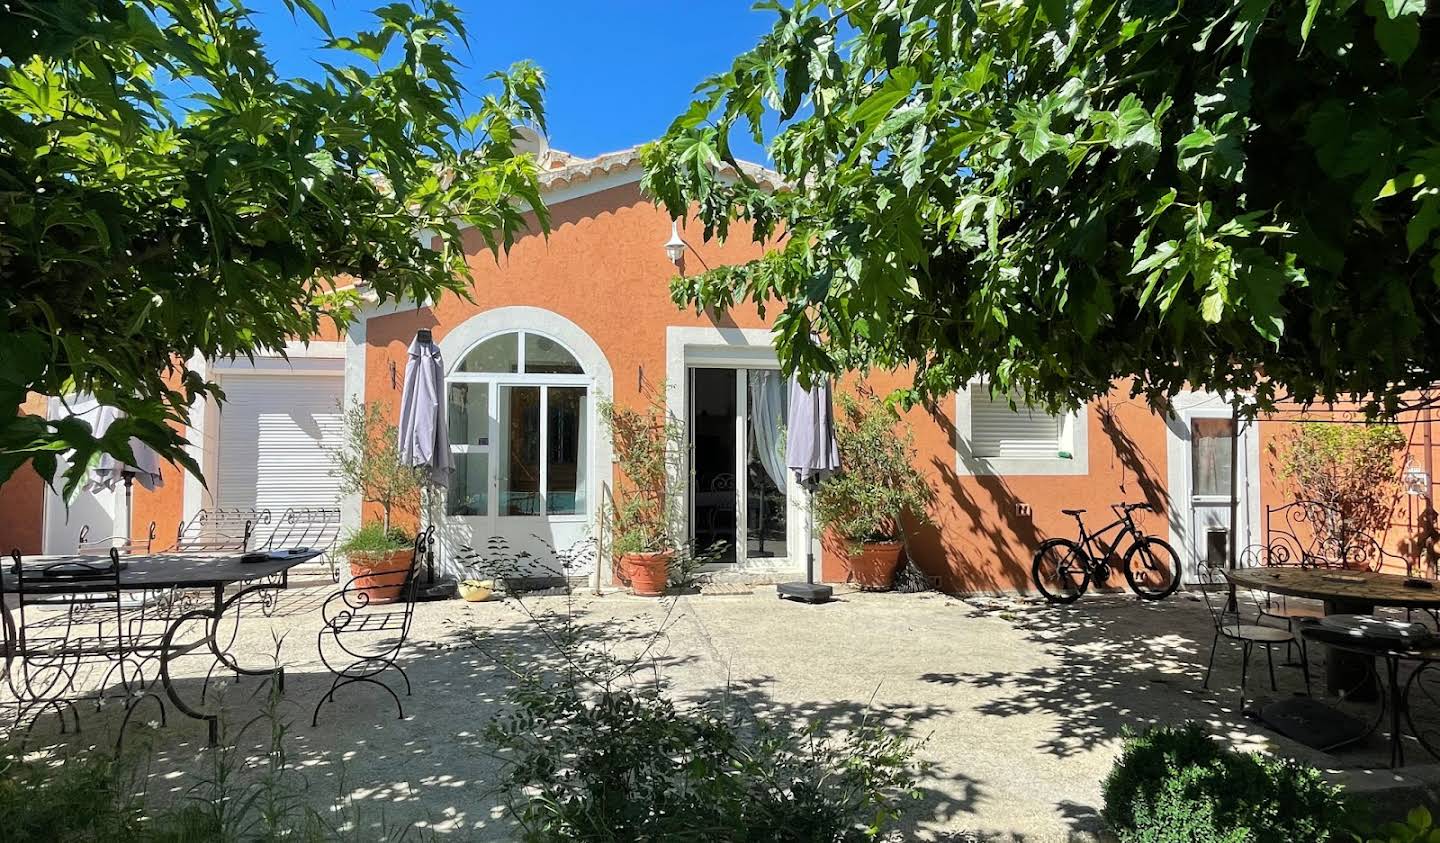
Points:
(98, 511)
(1210, 435)
(277, 432)
(522, 424)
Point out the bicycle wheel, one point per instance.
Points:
(1061, 570)
(1152, 567)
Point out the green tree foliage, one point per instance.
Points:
(1232, 195)
(164, 192)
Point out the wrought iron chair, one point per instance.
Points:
(317, 528)
(86, 545)
(69, 625)
(1230, 626)
(220, 530)
(363, 635)
(1314, 534)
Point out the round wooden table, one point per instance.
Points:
(1343, 593)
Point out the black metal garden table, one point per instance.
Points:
(186, 572)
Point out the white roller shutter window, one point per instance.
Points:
(998, 432)
(275, 436)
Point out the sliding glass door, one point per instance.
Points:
(738, 493)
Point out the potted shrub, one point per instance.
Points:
(368, 462)
(378, 560)
(877, 487)
(646, 441)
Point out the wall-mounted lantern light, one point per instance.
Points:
(675, 247)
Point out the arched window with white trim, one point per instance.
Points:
(519, 407)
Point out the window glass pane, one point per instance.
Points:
(567, 411)
(497, 354)
(469, 492)
(1210, 456)
(712, 461)
(519, 450)
(544, 356)
(765, 466)
(468, 411)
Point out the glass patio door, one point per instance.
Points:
(739, 495)
(520, 419)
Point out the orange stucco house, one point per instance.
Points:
(584, 314)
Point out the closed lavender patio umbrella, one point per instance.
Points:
(813, 454)
(109, 471)
(424, 431)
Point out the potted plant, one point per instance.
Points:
(876, 489)
(368, 462)
(646, 441)
(379, 559)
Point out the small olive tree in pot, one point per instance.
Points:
(647, 441)
(368, 462)
(877, 487)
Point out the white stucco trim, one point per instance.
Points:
(202, 448)
(1074, 439)
(351, 505)
(723, 347)
(1187, 405)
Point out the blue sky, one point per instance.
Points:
(619, 70)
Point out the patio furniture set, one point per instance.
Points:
(112, 621)
(1314, 582)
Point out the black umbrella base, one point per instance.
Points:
(805, 592)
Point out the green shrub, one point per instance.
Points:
(1180, 785)
(375, 538)
(1418, 827)
(878, 485)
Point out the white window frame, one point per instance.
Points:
(493, 382)
(1074, 439)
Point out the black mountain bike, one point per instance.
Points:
(1063, 568)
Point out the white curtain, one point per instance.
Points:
(767, 422)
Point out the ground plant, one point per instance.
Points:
(593, 747)
(1180, 785)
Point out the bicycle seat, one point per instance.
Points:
(1073, 511)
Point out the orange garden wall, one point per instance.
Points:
(1402, 534)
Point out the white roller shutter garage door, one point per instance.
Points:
(276, 433)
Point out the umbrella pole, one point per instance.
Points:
(129, 483)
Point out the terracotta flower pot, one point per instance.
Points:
(380, 576)
(647, 573)
(874, 565)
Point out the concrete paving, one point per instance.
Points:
(1021, 706)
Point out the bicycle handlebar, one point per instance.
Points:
(1130, 507)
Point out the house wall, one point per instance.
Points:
(603, 267)
(22, 499)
